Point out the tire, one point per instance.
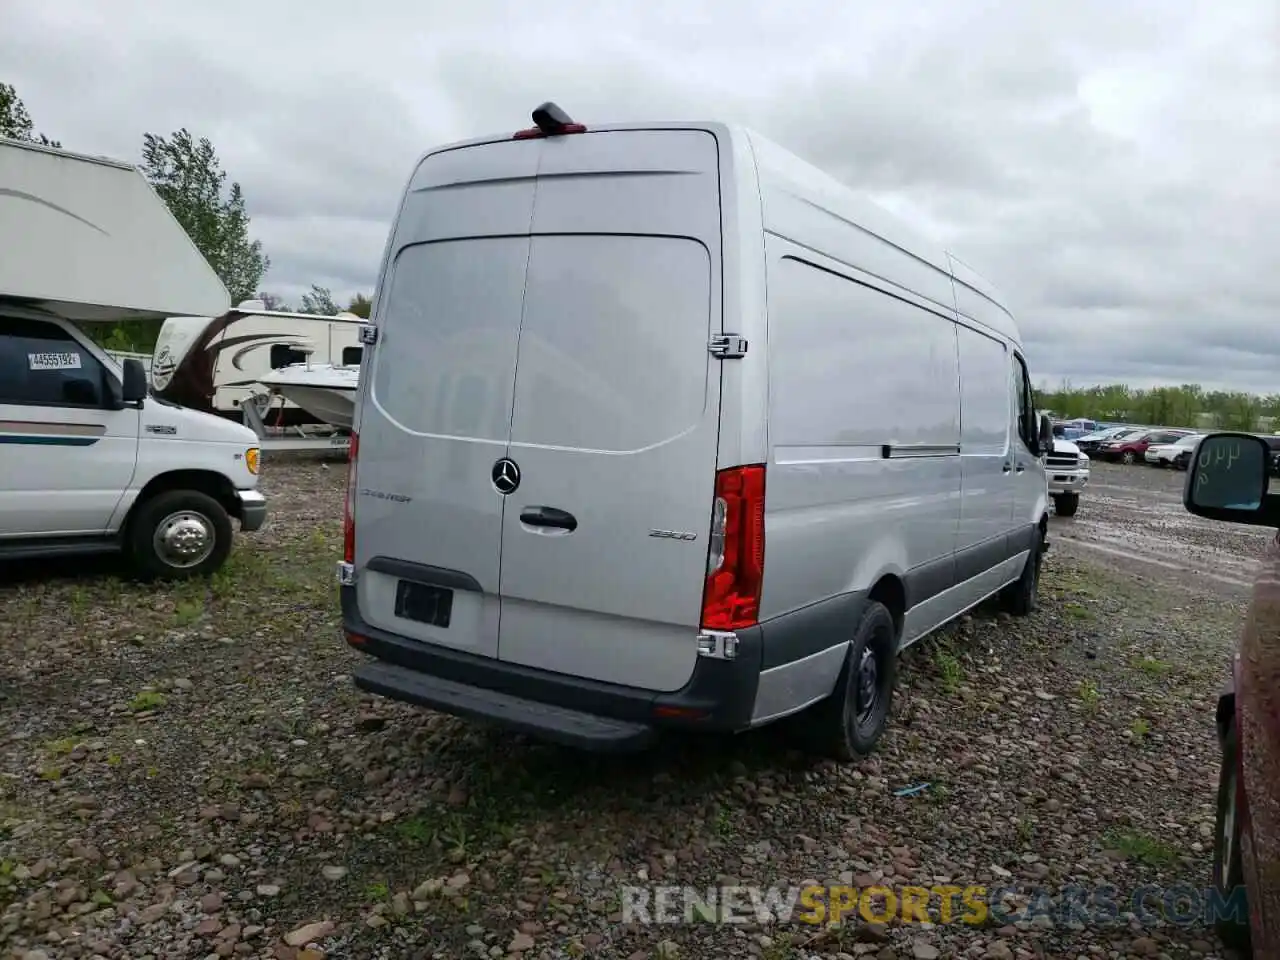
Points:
(1021, 597)
(1228, 868)
(1066, 504)
(199, 515)
(834, 727)
(1128, 457)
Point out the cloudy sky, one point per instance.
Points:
(1114, 167)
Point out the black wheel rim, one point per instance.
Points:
(866, 693)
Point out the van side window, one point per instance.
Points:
(900, 387)
(42, 364)
(984, 401)
(282, 355)
(1025, 403)
(351, 356)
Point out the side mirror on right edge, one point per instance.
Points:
(134, 386)
(1046, 434)
(1229, 479)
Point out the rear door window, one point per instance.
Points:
(613, 348)
(450, 327)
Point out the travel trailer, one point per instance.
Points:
(92, 462)
(659, 426)
(261, 343)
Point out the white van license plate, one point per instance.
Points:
(423, 603)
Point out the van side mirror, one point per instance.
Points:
(1228, 479)
(1045, 440)
(134, 387)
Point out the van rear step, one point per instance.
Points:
(572, 728)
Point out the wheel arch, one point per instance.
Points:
(892, 592)
(208, 482)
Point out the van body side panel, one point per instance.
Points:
(864, 475)
(986, 464)
(616, 410)
(436, 409)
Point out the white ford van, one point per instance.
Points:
(89, 461)
(660, 426)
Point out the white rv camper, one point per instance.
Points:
(92, 462)
(321, 355)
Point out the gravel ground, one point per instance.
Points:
(189, 772)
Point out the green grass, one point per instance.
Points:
(1143, 848)
(1153, 667)
(1141, 728)
(949, 669)
(147, 700)
(61, 747)
(187, 612)
(1077, 611)
(1088, 694)
(722, 822)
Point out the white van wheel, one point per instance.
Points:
(849, 723)
(179, 534)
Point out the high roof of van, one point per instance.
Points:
(777, 170)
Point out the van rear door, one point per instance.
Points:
(537, 441)
(437, 409)
(616, 410)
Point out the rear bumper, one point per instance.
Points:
(587, 714)
(253, 509)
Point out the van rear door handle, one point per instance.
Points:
(1006, 468)
(549, 517)
(1020, 469)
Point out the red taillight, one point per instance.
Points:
(731, 596)
(349, 508)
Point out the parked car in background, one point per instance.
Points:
(1073, 429)
(1247, 836)
(1131, 448)
(1090, 442)
(1164, 454)
(1182, 459)
(1068, 473)
(1274, 443)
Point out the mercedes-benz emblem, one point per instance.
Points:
(506, 476)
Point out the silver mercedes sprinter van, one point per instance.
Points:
(658, 425)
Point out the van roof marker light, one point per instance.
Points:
(550, 121)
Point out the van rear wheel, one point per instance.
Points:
(179, 534)
(849, 723)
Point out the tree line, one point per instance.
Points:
(1188, 405)
(188, 176)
